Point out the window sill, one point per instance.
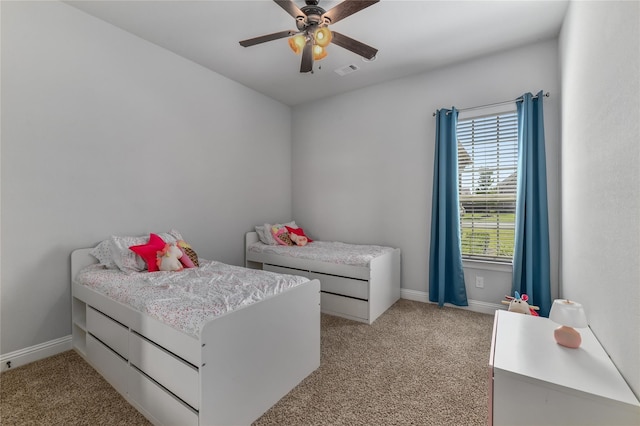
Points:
(486, 265)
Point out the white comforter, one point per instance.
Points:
(186, 300)
(326, 251)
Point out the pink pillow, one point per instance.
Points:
(281, 235)
(149, 251)
(189, 257)
(185, 260)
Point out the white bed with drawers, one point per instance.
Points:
(224, 369)
(359, 282)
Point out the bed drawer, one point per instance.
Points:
(108, 363)
(165, 368)
(342, 285)
(165, 408)
(283, 270)
(344, 306)
(112, 333)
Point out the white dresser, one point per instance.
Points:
(535, 381)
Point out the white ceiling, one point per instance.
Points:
(411, 37)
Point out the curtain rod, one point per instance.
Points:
(520, 99)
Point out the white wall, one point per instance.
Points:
(363, 161)
(104, 133)
(600, 58)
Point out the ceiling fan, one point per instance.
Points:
(313, 34)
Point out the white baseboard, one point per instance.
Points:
(474, 305)
(34, 353)
(415, 295)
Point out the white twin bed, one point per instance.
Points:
(359, 282)
(221, 344)
(218, 359)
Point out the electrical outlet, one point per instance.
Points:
(480, 282)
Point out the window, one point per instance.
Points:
(488, 177)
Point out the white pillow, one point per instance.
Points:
(102, 252)
(125, 259)
(260, 232)
(171, 237)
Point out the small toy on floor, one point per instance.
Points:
(520, 305)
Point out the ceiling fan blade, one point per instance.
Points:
(347, 8)
(290, 7)
(355, 46)
(268, 37)
(307, 58)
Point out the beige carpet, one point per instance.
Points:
(416, 365)
(62, 390)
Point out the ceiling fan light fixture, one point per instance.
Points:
(296, 43)
(319, 52)
(322, 36)
(313, 35)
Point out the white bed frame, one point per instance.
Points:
(359, 293)
(242, 363)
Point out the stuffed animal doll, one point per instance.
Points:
(299, 240)
(169, 258)
(298, 236)
(520, 305)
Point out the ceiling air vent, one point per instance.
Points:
(347, 70)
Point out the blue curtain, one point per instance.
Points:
(446, 276)
(531, 269)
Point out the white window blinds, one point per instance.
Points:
(487, 167)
